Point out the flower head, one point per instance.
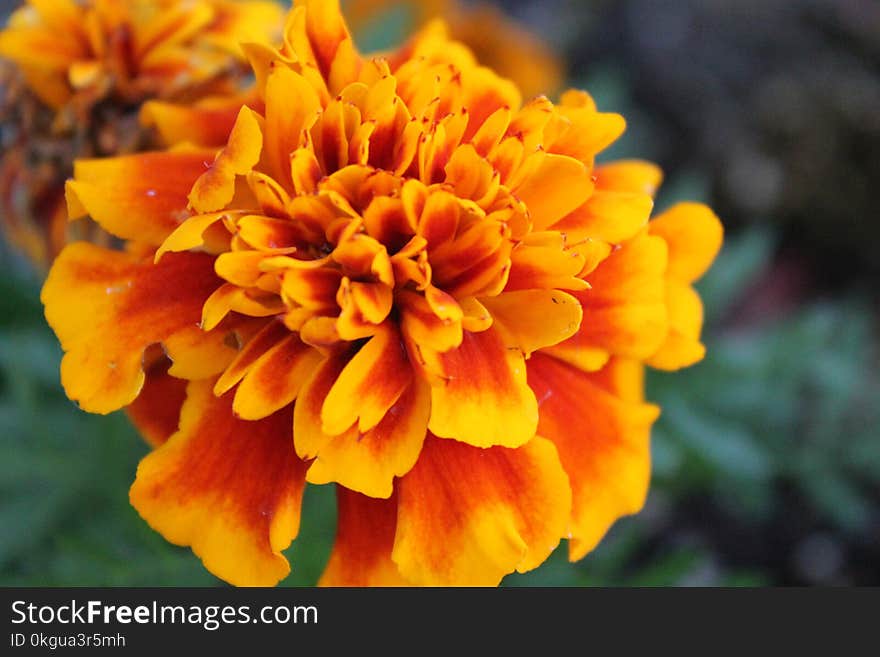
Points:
(74, 75)
(396, 277)
(130, 50)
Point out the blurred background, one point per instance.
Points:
(767, 455)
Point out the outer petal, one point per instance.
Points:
(484, 399)
(590, 131)
(545, 265)
(364, 537)
(682, 346)
(636, 176)
(610, 216)
(156, 410)
(625, 311)
(107, 307)
(693, 234)
(603, 443)
(138, 197)
(469, 516)
(230, 489)
(589, 359)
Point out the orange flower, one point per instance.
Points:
(429, 282)
(499, 42)
(76, 75)
(130, 50)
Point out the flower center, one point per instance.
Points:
(339, 214)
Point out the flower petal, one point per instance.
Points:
(230, 298)
(241, 268)
(156, 410)
(309, 437)
(559, 185)
(484, 399)
(421, 324)
(270, 334)
(268, 234)
(693, 234)
(625, 310)
(165, 29)
(606, 452)
(199, 354)
(534, 319)
(369, 384)
(483, 93)
(323, 40)
(215, 187)
(589, 359)
(206, 123)
(275, 379)
(682, 346)
(255, 21)
(138, 197)
(590, 131)
(40, 50)
(107, 307)
(545, 265)
(230, 489)
(636, 176)
(190, 234)
(368, 462)
(292, 106)
(469, 516)
(365, 530)
(609, 216)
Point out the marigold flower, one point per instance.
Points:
(76, 74)
(395, 277)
